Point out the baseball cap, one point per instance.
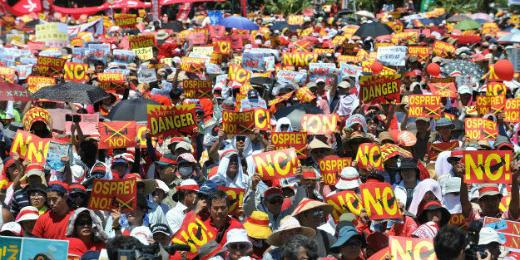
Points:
(488, 235)
(11, 228)
(161, 228)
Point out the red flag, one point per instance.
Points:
(24, 7)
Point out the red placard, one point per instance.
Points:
(512, 110)
(343, 202)
(443, 89)
(443, 49)
(14, 93)
(435, 148)
(488, 166)
(379, 201)
(425, 106)
(369, 156)
(171, 120)
(30, 147)
(194, 233)
(404, 248)
(331, 166)
(276, 164)
(141, 41)
(298, 58)
(480, 129)
(319, 124)
(284, 140)
(50, 66)
(197, 88)
(238, 73)
(243, 123)
(114, 135)
(236, 199)
(380, 89)
(113, 194)
(222, 46)
(76, 72)
(509, 229)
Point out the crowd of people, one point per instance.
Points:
(184, 179)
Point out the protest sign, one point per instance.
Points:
(285, 140)
(304, 95)
(24, 71)
(123, 56)
(147, 75)
(49, 66)
(114, 194)
(349, 70)
(110, 80)
(369, 156)
(425, 106)
(98, 52)
(319, 124)
(325, 71)
(513, 55)
(420, 52)
(175, 120)
(330, 167)
(125, 20)
(88, 124)
(253, 61)
(480, 129)
(238, 73)
(114, 135)
(392, 55)
(202, 50)
(243, 123)
(144, 54)
(508, 230)
(194, 233)
(7, 73)
(222, 46)
(435, 148)
(408, 37)
(197, 88)
(379, 201)
(30, 147)
(512, 110)
(488, 104)
(489, 28)
(289, 76)
(443, 49)
(57, 150)
(76, 72)
(390, 150)
(191, 64)
(293, 19)
(344, 201)
(276, 164)
(380, 89)
(15, 93)
(487, 166)
(35, 83)
(320, 51)
(235, 199)
(407, 248)
(197, 38)
(496, 88)
(52, 34)
(79, 54)
(141, 41)
(298, 58)
(22, 248)
(443, 89)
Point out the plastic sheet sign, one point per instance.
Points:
(20, 248)
(512, 110)
(407, 248)
(443, 89)
(114, 194)
(425, 106)
(167, 120)
(392, 55)
(141, 41)
(487, 166)
(284, 140)
(369, 156)
(319, 124)
(298, 58)
(480, 129)
(196, 88)
(114, 135)
(443, 49)
(194, 233)
(76, 72)
(276, 164)
(344, 202)
(238, 123)
(30, 147)
(379, 201)
(235, 198)
(380, 89)
(509, 229)
(487, 104)
(35, 83)
(330, 166)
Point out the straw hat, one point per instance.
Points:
(289, 223)
(257, 225)
(309, 204)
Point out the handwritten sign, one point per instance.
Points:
(52, 34)
(196, 88)
(425, 106)
(343, 202)
(30, 147)
(380, 89)
(243, 123)
(284, 140)
(379, 201)
(319, 124)
(407, 248)
(392, 55)
(276, 164)
(487, 166)
(480, 129)
(113, 194)
(330, 166)
(114, 135)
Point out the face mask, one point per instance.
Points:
(185, 171)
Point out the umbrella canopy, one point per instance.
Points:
(14, 92)
(280, 25)
(131, 110)
(373, 30)
(72, 92)
(465, 67)
(176, 26)
(239, 22)
(467, 24)
(458, 18)
(296, 112)
(510, 38)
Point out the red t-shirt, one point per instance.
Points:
(233, 223)
(51, 227)
(78, 247)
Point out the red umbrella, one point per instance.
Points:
(13, 92)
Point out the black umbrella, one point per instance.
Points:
(373, 30)
(280, 25)
(131, 110)
(262, 81)
(176, 26)
(296, 112)
(72, 92)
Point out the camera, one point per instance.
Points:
(73, 117)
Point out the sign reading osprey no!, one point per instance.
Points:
(113, 135)
(487, 166)
(480, 129)
(425, 106)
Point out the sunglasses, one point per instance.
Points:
(239, 246)
(277, 200)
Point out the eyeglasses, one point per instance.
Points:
(277, 200)
(239, 246)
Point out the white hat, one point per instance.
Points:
(77, 173)
(12, 227)
(237, 235)
(27, 213)
(278, 237)
(348, 179)
(161, 185)
(465, 89)
(449, 185)
(184, 145)
(489, 235)
(143, 234)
